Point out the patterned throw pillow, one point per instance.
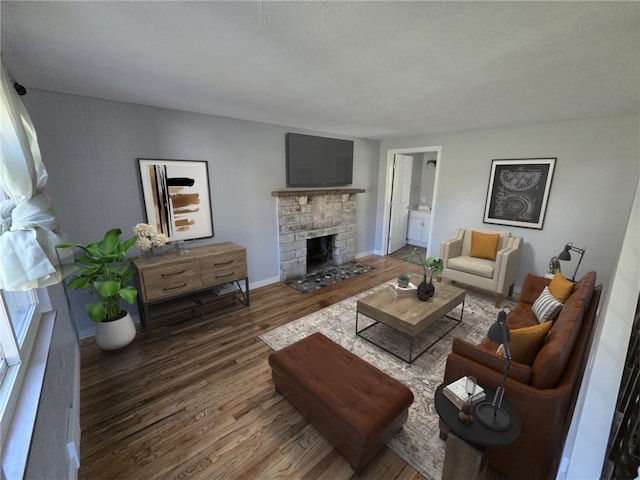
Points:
(546, 306)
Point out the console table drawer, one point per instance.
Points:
(177, 287)
(172, 280)
(223, 268)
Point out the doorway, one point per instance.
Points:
(400, 201)
(391, 177)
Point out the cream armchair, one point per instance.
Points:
(466, 260)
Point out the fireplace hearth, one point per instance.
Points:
(328, 275)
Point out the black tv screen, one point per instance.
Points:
(318, 161)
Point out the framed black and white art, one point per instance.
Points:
(176, 197)
(519, 191)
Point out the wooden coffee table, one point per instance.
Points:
(409, 316)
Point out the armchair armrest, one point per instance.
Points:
(507, 263)
(451, 248)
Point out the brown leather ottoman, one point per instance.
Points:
(357, 407)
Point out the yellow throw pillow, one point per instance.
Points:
(560, 287)
(484, 245)
(526, 342)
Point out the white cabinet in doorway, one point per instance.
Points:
(418, 230)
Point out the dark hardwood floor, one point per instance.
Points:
(199, 403)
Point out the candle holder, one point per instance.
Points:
(465, 415)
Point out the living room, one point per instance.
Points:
(90, 147)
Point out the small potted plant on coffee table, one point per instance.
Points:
(403, 280)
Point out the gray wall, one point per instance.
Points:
(59, 406)
(586, 444)
(416, 180)
(90, 148)
(428, 178)
(591, 194)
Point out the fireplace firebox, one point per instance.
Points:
(319, 252)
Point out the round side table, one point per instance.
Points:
(476, 436)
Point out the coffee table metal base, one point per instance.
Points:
(412, 339)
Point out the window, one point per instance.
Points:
(19, 321)
(22, 360)
(3, 364)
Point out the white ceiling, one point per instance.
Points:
(368, 69)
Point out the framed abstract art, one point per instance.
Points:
(518, 192)
(177, 197)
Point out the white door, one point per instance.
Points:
(400, 193)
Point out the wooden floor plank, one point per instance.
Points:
(200, 404)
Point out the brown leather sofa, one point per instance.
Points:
(544, 392)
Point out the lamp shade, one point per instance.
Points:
(565, 254)
(497, 334)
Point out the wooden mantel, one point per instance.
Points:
(310, 193)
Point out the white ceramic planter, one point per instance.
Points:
(115, 334)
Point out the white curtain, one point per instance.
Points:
(29, 229)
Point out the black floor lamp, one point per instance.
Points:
(565, 255)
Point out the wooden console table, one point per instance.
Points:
(189, 281)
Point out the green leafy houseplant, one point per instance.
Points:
(434, 264)
(104, 273)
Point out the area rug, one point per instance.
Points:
(418, 443)
(328, 276)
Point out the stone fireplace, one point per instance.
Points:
(310, 214)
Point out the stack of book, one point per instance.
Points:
(224, 289)
(402, 292)
(456, 392)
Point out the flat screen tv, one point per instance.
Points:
(318, 161)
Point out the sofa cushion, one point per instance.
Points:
(484, 245)
(553, 356)
(532, 288)
(521, 316)
(546, 307)
(525, 343)
(560, 287)
(476, 266)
